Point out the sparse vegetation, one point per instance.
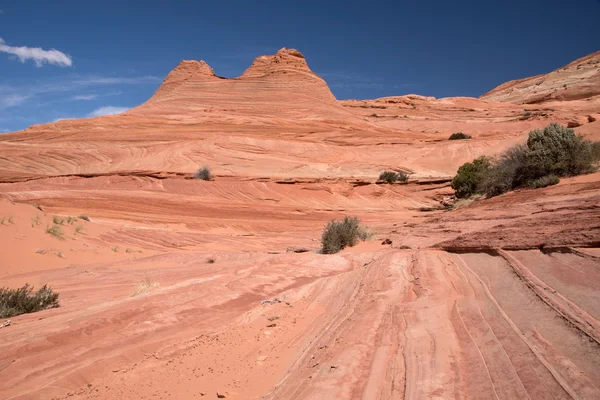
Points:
(58, 220)
(402, 177)
(71, 220)
(79, 229)
(555, 151)
(388, 176)
(210, 261)
(459, 136)
(55, 231)
(15, 302)
(544, 181)
(38, 207)
(35, 221)
(203, 173)
(338, 235)
(391, 177)
(85, 218)
(115, 249)
(147, 284)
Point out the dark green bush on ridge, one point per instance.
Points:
(459, 136)
(391, 177)
(341, 234)
(554, 151)
(470, 176)
(15, 302)
(203, 173)
(388, 176)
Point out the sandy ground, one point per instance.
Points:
(177, 288)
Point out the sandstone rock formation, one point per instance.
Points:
(577, 80)
(499, 298)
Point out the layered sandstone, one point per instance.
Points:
(575, 81)
(173, 287)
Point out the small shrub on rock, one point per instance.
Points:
(402, 177)
(341, 234)
(459, 136)
(391, 177)
(388, 176)
(203, 174)
(15, 302)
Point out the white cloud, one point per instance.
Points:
(107, 110)
(85, 97)
(12, 100)
(37, 54)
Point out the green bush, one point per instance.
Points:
(340, 234)
(469, 177)
(505, 173)
(459, 136)
(388, 176)
(22, 301)
(203, 173)
(544, 181)
(391, 177)
(595, 151)
(402, 177)
(557, 150)
(554, 151)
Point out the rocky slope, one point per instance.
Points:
(575, 81)
(172, 287)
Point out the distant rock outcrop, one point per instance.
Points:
(273, 85)
(577, 80)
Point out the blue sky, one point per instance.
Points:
(72, 59)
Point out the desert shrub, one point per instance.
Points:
(22, 301)
(505, 173)
(85, 218)
(544, 181)
(391, 177)
(554, 151)
(459, 136)
(55, 231)
(557, 150)
(470, 176)
(595, 151)
(402, 177)
(203, 173)
(388, 176)
(340, 234)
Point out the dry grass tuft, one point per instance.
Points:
(146, 284)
